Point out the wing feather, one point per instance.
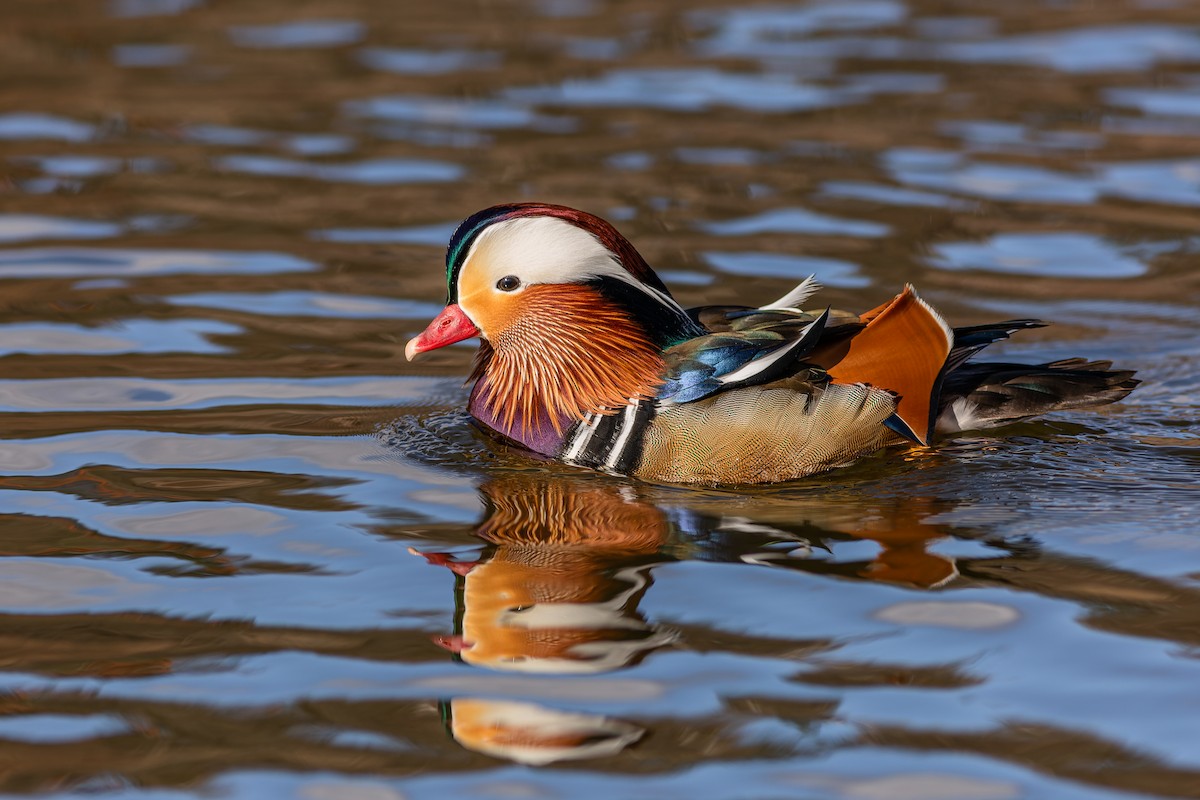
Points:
(903, 348)
(733, 359)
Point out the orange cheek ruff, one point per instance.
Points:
(563, 351)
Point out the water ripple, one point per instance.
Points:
(684, 90)
(1063, 255)
(27, 227)
(795, 220)
(410, 61)
(950, 172)
(127, 336)
(17, 126)
(310, 33)
(1175, 182)
(309, 304)
(451, 112)
(431, 235)
(112, 394)
(80, 262)
(829, 271)
(374, 171)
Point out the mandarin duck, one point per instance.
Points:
(585, 357)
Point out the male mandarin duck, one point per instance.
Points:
(586, 357)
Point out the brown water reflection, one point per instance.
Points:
(219, 222)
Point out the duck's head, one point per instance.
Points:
(509, 264)
(572, 319)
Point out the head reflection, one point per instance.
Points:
(557, 586)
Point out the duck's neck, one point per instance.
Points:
(570, 355)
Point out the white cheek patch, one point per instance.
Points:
(539, 250)
(544, 250)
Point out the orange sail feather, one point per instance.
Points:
(902, 349)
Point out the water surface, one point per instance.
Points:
(246, 545)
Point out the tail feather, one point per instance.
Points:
(985, 395)
(971, 339)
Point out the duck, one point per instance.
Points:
(586, 358)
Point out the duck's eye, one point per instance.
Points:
(508, 283)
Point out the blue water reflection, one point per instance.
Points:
(306, 33)
(1175, 182)
(28, 227)
(90, 262)
(430, 235)
(374, 171)
(25, 125)
(411, 61)
(128, 336)
(1128, 48)
(795, 220)
(951, 172)
(829, 271)
(150, 55)
(684, 90)
(1170, 102)
(310, 304)
(61, 394)
(1066, 255)
(889, 195)
(150, 8)
(451, 112)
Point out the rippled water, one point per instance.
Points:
(245, 542)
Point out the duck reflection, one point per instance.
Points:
(555, 590)
(904, 535)
(565, 564)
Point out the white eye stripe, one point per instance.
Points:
(546, 250)
(541, 250)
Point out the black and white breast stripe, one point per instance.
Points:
(609, 442)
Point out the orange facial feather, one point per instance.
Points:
(564, 352)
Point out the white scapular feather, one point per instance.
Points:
(759, 364)
(793, 299)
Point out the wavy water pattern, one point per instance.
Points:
(248, 551)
